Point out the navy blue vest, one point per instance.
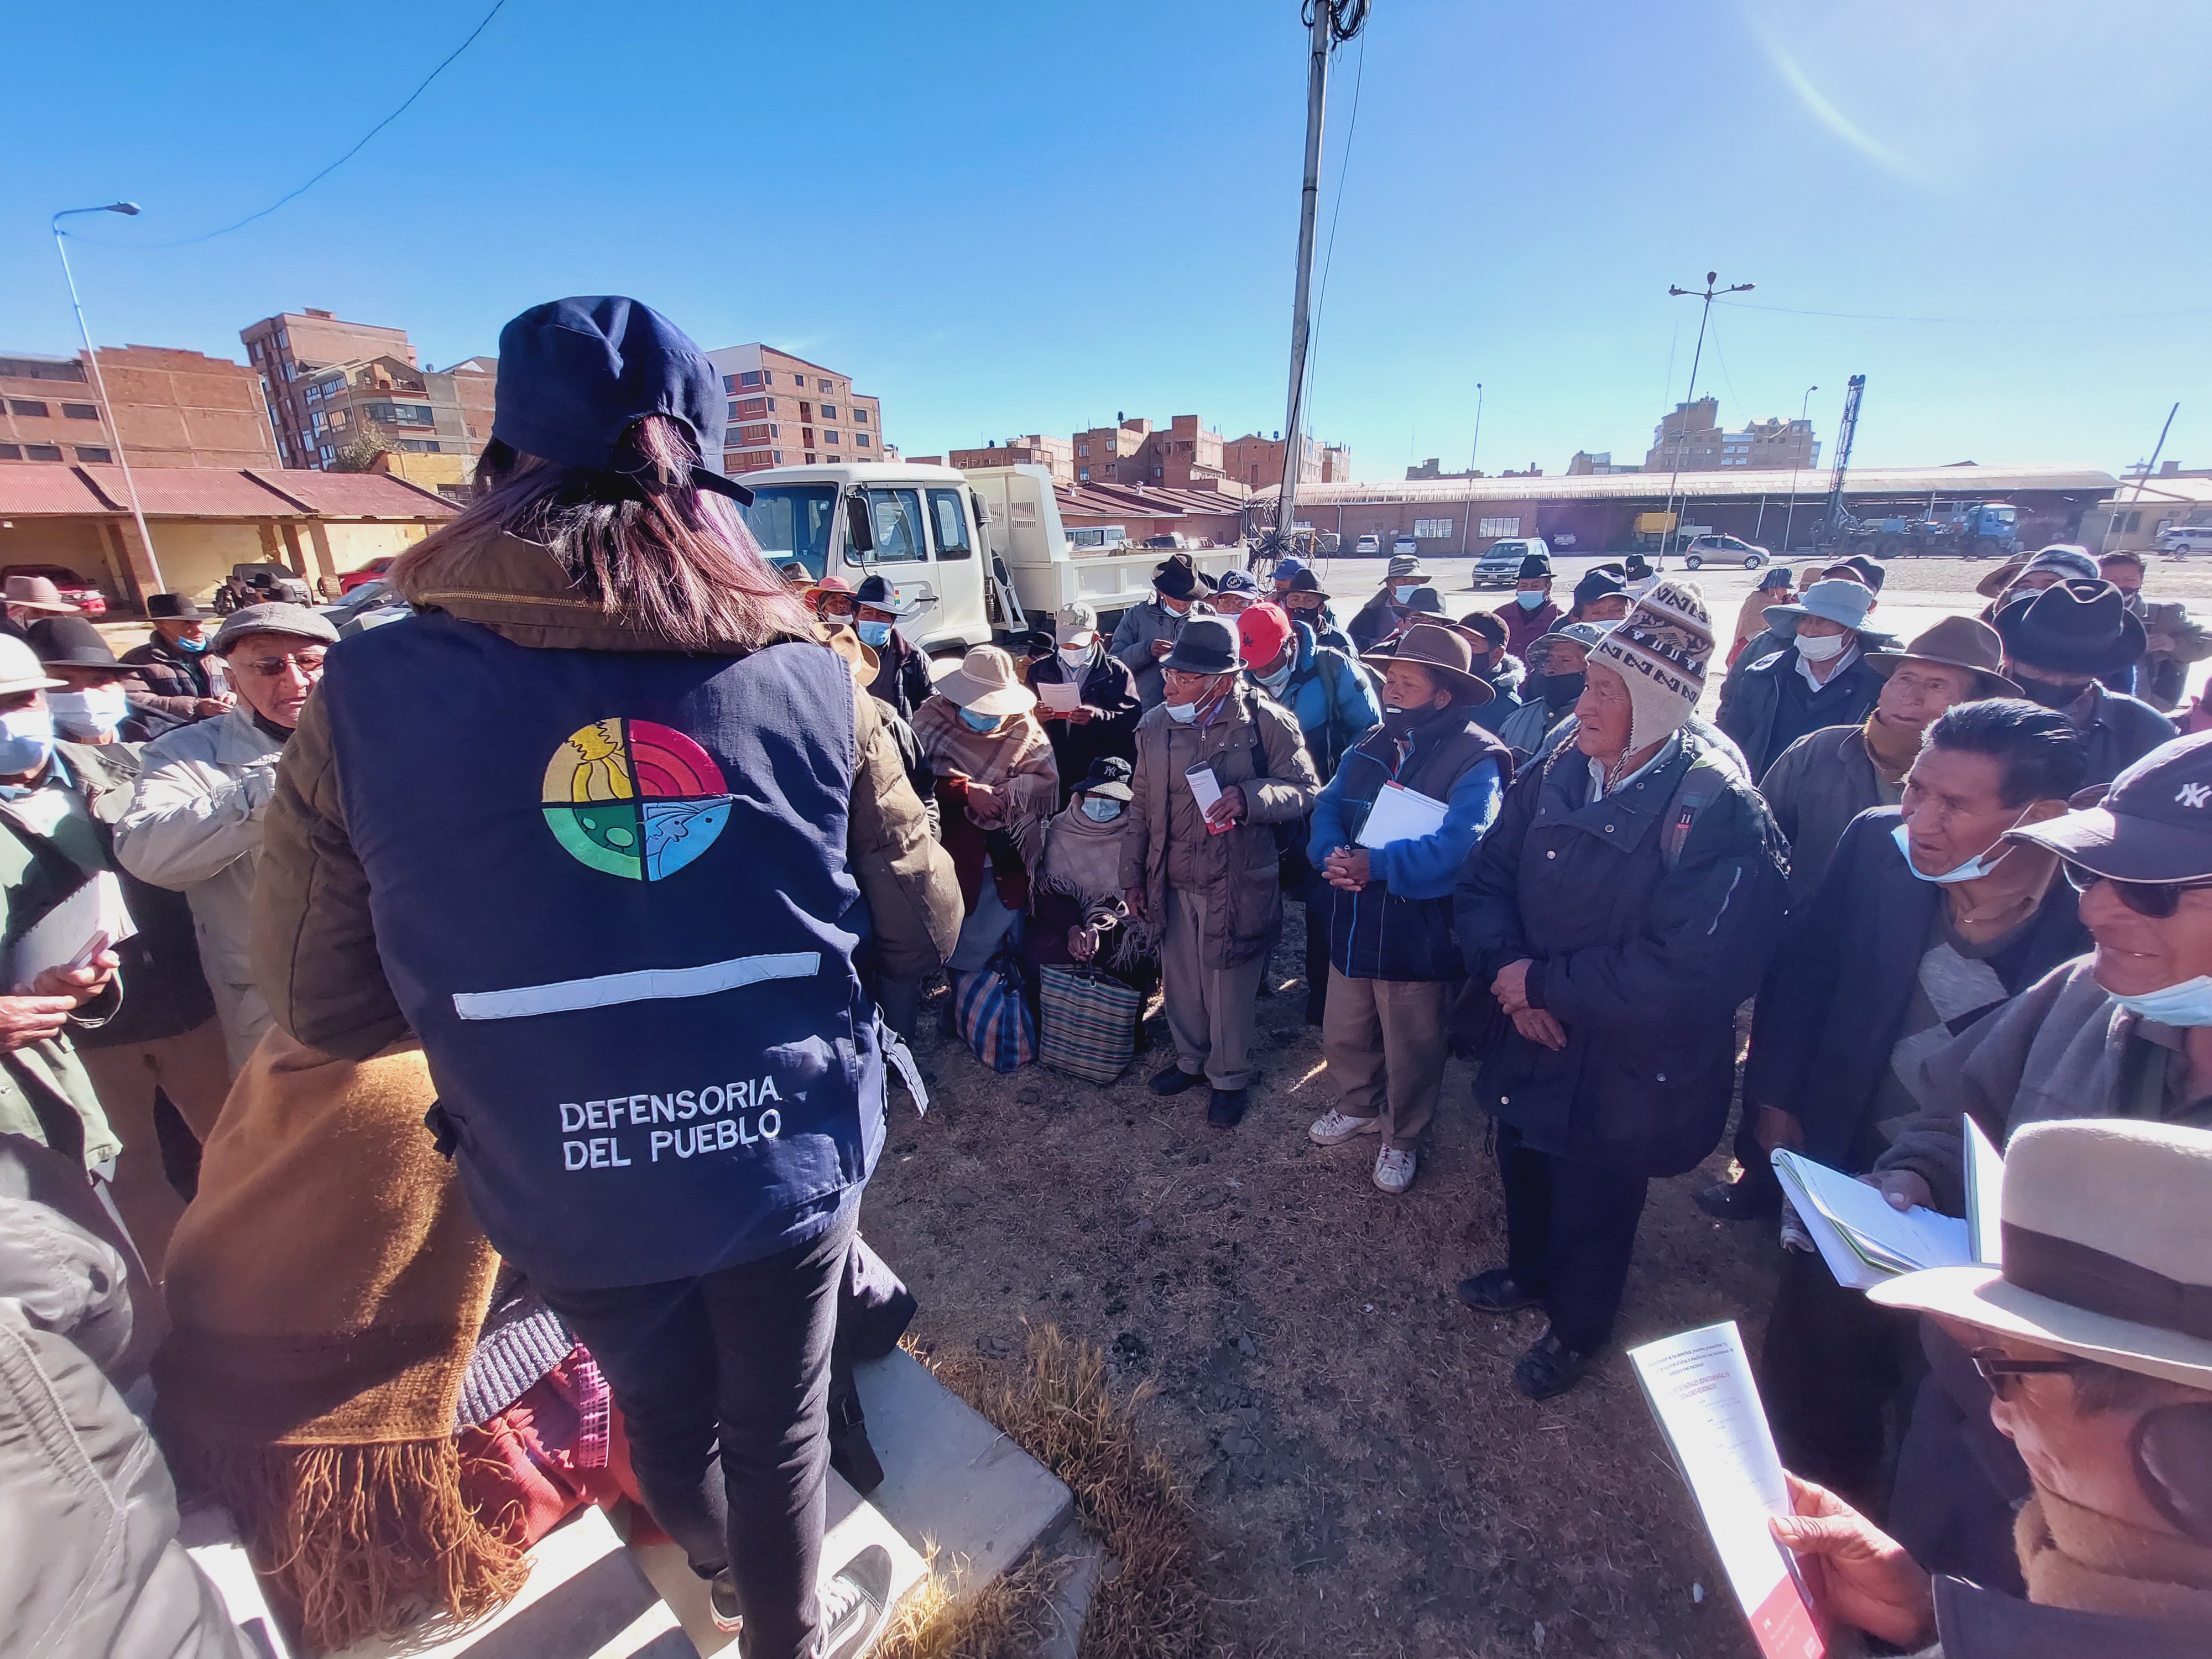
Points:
(611, 894)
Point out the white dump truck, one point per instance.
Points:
(981, 554)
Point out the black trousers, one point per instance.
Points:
(737, 1363)
(1321, 911)
(1569, 1231)
(1831, 1369)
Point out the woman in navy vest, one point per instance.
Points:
(602, 825)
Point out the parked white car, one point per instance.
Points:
(1369, 544)
(2179, 541)
(1722, 550)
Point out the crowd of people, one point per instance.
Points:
(621, 811)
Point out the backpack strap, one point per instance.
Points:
(1704, 782)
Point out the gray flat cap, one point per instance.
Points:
(276, 618)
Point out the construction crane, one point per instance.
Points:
(1846, 429)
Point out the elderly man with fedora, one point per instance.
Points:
(181, 679)
(1532, 615)
(2058, 639)
(97, 702)
(2031, 573)
(195, 819)
(1829, 777)
(1103, 720)
(1396, 603)
(1621, 908)
(1146, 632)
(1204, 875)
(1306, 601)
(1819, 678)
(902, 672)
(1395, 968)
(29, 597)
(2092, 1355)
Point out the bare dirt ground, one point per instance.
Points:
(1367, 1480)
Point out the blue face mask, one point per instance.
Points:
(191, 648)
(1405, 592)
(1972, 870)
(2189, 1003)
(1100, 808)
(873, 634)
(980, 722)
(27, 738)
(1529, 601)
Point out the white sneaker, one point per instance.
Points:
(1394, 1169)
(1336, 1128)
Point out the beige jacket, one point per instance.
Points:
(1235, 878)
(194, 826)
(314, 946)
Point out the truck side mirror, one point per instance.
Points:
(859, 526)
(982, 513)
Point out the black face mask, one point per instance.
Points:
(2049, 693)
(1558, 690)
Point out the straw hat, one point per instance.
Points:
(987, 683)
(2107, 1250)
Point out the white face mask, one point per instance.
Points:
(1075, 656)
(95, 712)
(1183, 713)
(1819, 647)
(1405, 592)
(1972, 870)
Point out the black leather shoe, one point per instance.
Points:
(1174, 1080)
(1550, 1367)
(1495, 1292)
(1738, 1201)
(1226, 1110)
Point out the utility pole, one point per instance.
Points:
(1331, 22)
(1681, 437)
(2112, 519)
(1474, 449)
(129, 209)
(1804, 405)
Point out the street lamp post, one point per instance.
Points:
(1803, 406)
(1691, 396)
(92, 357)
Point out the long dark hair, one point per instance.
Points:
(656, 554)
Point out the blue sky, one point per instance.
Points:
(1007, 218)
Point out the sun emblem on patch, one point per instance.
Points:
(633, 799)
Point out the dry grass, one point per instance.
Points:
(946, 1618)
(1062, 1410)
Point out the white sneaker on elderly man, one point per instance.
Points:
(1335, 1128)
(1394, 1169)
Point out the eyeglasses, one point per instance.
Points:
(2001, 1370)
(309, 663)
(2155, 899)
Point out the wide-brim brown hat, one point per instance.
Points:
(1442, 650)
(1957, 642)
(987, 682)
(2107, 1247)
(1994, 581)
(865, 663)
(37, 593)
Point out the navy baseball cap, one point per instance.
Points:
(575, 374)
(2154, 823)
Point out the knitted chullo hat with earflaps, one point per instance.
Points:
(1660, 647)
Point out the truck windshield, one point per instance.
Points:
(793, 521)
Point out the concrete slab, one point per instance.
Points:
(854, 1525)
(1083, 1568)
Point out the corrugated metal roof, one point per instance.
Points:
(1101, 500)
(354, 495)
(184, 492)
(191, 492)
(2194, 491)
(35, 491)
(1970, 479)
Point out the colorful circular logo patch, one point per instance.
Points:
(633, 799)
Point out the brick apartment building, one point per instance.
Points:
(332, 387)
(1182, 455)
(786, 412)
(1256, 462)
(1691, 440)
(171, 409)
(1035, 449)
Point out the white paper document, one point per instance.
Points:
(1700, 1388)
(1864, 1238)
(60, 937)
(1059, 694)
(1401, 814)
(1984, 1188)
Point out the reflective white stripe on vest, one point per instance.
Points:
(645, 985)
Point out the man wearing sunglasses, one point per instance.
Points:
(2124, 1031)
(2090, 1350)
(194, 822)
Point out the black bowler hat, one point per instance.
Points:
(878, 594)
(171, 607)
(69, 642)
(575, 374)
(1204, 645)
(1598, 584)
(1870, 571)
(2072, 627)
(1306, 582)
(1176, 576)
(1534, 567)
(2154, 823)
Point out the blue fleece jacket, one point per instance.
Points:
(1333, 702)
(1426, 868)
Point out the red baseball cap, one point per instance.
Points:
(1262, 631)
